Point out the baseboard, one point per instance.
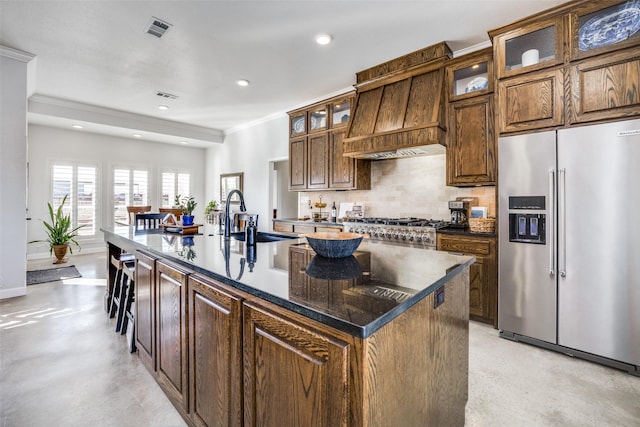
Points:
(46, 255)
(13, 292)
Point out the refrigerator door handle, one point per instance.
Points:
(552, 228)
(562, 220)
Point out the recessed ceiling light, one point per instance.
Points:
(243, 82)
(137, 135)
(184, 143)
(323, 39)
(163, 107)
(475, 66)
(77, 126)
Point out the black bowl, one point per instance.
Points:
(334, 244)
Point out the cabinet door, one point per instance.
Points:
(318, 166)
(342, 168)
(606, 87)
(215, 351)
(145, 309)
(472, 142)
(298, 164)
(533, 101)
(282, 226)
(477, 288)
(533, 46)
(172, 332)
(293, 374)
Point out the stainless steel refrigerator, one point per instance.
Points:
(569, 245)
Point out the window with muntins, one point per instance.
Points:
(130, 188)
(174, 183)
(79, 184)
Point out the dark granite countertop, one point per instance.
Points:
(357, 295)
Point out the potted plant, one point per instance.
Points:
(60, 234)
(209, 210)
(188, 205)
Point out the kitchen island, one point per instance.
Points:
(273, 335)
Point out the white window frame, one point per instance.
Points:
(72, 201)
(177, 186)
(130, 196)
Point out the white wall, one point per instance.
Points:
(13, 172)
(249, 151)
(47, 145)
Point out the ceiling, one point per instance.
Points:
(96, 65)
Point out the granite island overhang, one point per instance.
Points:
(273, 335)
(382, 280)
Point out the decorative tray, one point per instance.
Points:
(181, 229)
(612, 26)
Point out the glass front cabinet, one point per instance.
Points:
(534, 46)
(604, 26)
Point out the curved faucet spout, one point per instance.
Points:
(227, 220)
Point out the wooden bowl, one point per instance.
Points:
(332, 244)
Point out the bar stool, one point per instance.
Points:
(126, 289)
(126, 308)
(114, 295)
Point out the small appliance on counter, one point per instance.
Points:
(459, 213)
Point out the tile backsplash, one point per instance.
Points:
(406, 187)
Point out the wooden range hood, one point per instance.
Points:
(400, 106)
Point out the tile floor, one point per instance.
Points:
(61, 364)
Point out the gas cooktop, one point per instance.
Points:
(407, 222)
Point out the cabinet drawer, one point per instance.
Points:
(464, 245)
(335, 229)
(282, 226)
(304, 229)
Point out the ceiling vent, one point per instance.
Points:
(157, 27)
(166, 95)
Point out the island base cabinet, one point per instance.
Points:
(172, 333)
(215, 354)
(294, 375)
(145, 309)
(416, 368)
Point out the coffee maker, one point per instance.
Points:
(459, 214)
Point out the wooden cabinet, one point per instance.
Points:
(171, 330)
(295, 373)
(294, 227)
(471, 138)
(471, 153)
(585, 66)
(534, 45)
(606, 87)
(298, 164)
(589, 34)
(315, 152)
(318, 162)
(532, 101)
(145, 310)
(215, 353)
(483, 274)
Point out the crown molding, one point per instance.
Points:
(18, 55)
(472, 49)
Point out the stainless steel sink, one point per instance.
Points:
(264, 237)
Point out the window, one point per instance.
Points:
(172, 184)
(130, 188)
(79, 184)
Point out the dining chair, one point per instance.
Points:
(133, 210)
(177, 212)
(148, 221)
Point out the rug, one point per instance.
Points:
(52, 274)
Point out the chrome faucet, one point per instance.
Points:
(227, 220)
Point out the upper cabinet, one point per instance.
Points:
(603, 26)
(534, 46)
(471, 138)
(315, 149)
(573, 64)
